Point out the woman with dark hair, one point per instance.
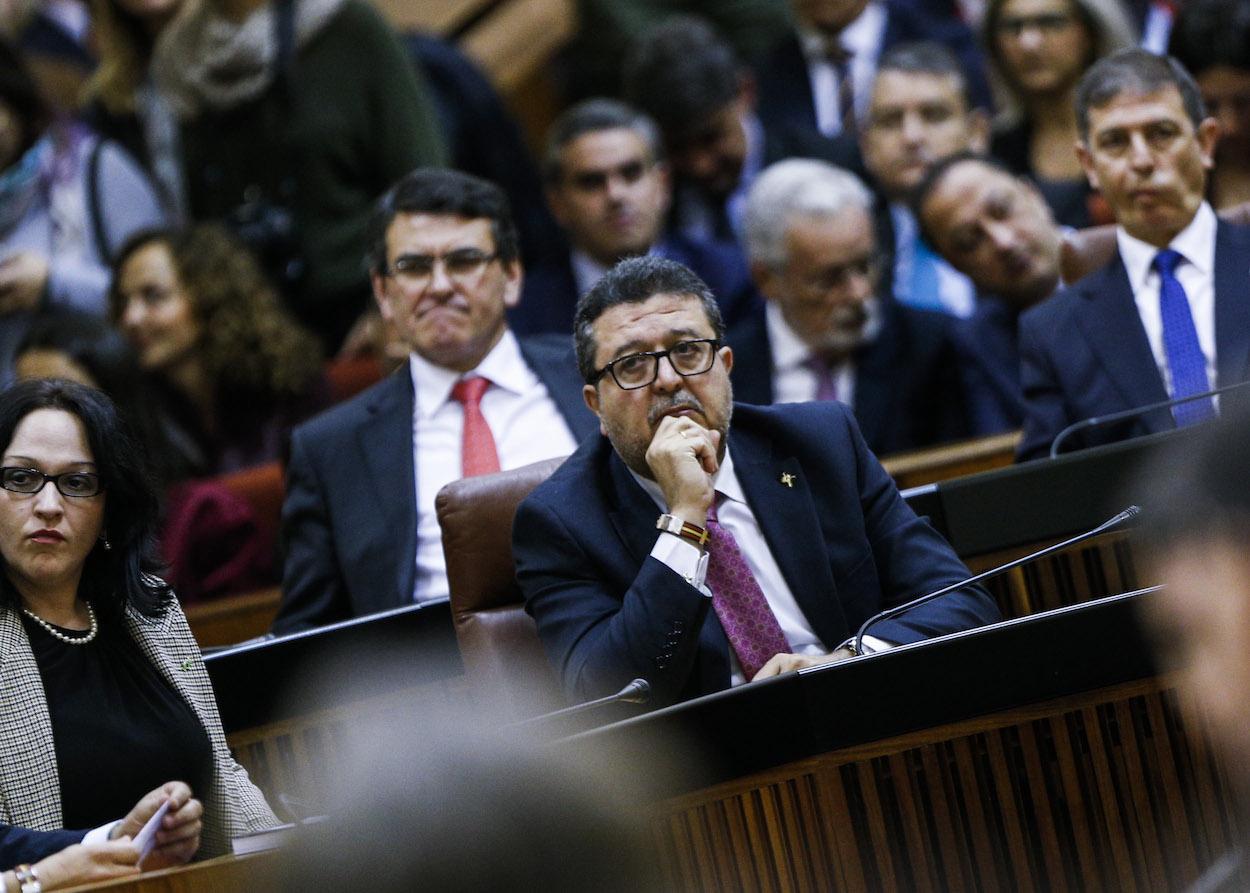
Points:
(67, 203)
(104, 694)
(1211, 38)
(1038, 50)
(232, 370)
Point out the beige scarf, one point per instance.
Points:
(204, 61)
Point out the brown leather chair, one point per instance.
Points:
(504, 660)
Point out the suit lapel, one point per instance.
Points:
(1112, 327)
(786, 514)
(385, 451)
(876, 385)
(1232, 303)
(634, 512)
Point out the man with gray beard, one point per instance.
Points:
(826, 331)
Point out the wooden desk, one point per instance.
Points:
(1043, 754)
(942, 463)
(227, 873)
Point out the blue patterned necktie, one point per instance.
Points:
(1186, 361)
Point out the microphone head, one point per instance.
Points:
(637, 692)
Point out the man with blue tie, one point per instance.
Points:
(1169, 316)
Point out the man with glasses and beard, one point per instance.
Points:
(827, 332)
(696, 558)
(358, 524)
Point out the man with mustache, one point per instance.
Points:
(358, 524)
(1168, 316)
(697, 556)
(826, 332)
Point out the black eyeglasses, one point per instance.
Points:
(462, 266)
(31, 480)
(637, 370)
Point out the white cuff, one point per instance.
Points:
(101, 834)
(686, 559)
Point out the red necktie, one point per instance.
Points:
(477, 445)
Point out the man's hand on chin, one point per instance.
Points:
(785, 663)
(682, 458)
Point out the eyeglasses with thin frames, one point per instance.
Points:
(462, 266)
(29, 481)
(637, 370)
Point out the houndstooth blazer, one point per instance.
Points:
(30, 788)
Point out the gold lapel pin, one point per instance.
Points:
(788, 479)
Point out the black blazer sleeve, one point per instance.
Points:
(22, 845)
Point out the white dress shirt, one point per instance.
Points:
(862, 38)
(793, 381)
(1196, 274)
(523, 419)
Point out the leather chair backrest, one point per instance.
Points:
(503, 656)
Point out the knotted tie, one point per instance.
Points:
(840, 57)
(477, 445)
(1186, 361)
(826, 386)
(739, 603)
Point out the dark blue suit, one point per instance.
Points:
(22, 845)
(788, 109)
(845, 541)
(989, 348)
(549, 295)
(349, 522)
(908, 392)
(1084, 351)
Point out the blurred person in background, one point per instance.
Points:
(68, 201)
(230, 368)
(121, 101)
(295, 115)
(1039, 49)
(209, 538)
(1211, 38)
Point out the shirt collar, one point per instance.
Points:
(789, 351)
(1195, 243)
(432, 384)
(859, 37)
(586, 271)
(725, 481)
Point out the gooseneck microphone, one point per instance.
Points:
(1110, 524)
(1111, 418)
(636, 692)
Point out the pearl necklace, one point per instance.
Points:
(57, 634)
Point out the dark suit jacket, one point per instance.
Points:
(22, 845)
(989, 351)
(349, 522)
(788, 109)
(846, 542)
(549, 295)
(908, 391)
(1084, 351)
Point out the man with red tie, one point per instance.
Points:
(696, 556)
(359, 530)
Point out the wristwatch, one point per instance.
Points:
(684, 529)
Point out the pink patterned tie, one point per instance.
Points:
(477, 445)
(738, 601)
(826, 385)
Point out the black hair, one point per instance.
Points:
(635, 281)
(594, 116)
(926, 57)
(1211, 34)
(430, 190)
(123, 576)
(681, 72)
(20, 91)
(933, 178)
(1137, 72)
